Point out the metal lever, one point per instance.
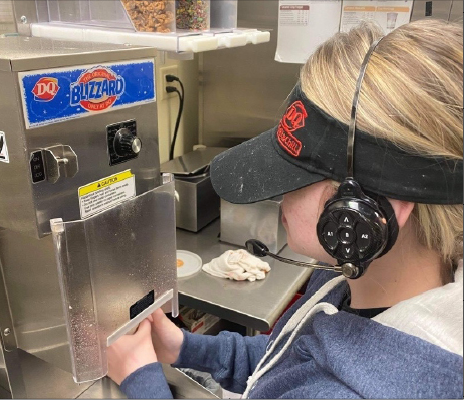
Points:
(60, 161)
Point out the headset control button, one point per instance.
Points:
(363, 236)
(346, 219)
(347, 250)
(330, 234)
(347, 235)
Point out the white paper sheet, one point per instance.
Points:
(389, 14)
(303, 25)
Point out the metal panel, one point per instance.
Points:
(11, 374)
(440, 9)
(16, 208)
(86, 136)
(32, 53)
(25, 15)
(457, 11)
(198, 203)
(244, 89)
(44, 381)
(34, 296)
(7, 19)
(261, 220)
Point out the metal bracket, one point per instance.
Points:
(7, 337)
(60, 161)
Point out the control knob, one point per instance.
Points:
(126, 144)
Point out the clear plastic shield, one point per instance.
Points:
(115, 269)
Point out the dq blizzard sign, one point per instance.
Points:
(54, 95)
(45, 89)
(97, 89)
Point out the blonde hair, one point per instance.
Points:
(412, 95)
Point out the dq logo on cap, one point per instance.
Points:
(45, 89)
(293, 119)
(97, 89)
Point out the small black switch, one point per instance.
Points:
(346, 235)
(37, 167)
(428, 8)
(330, 234)
(346, 219)
(347, 250)
(363, 236)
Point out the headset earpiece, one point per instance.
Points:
(356, 229)
(390, 216)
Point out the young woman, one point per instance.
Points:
(394, 327)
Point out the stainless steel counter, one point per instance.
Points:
(41, 380)
(255, 305)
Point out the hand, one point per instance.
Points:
(167, 338)
(131, 352)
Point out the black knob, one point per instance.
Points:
(126, 144)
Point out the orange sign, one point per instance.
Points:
(359, 8)
(393, 9)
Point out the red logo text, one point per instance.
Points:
(293, 119)
(45, 89)
(97, 89)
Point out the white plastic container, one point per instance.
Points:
(142, 16)
(223, 14)
(207, 24)
(151, 15)
(193, 15)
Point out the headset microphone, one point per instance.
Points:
(259, 249)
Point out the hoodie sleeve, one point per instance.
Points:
(229, 357)
(147, 382)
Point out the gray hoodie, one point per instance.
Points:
(412, 350)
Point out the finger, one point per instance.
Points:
(158, 315)
(150, 318)
(144, 328)
(161, 321)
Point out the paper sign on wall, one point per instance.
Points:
(303, 25)
(388, 14)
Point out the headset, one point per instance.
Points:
(355, 227)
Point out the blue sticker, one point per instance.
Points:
(56, 95)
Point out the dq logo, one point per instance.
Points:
(97, 89)
(45, 89)
(293, 119)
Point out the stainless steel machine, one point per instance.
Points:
(87, 222)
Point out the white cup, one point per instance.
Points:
(391, 20)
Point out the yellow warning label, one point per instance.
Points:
(93, 187)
